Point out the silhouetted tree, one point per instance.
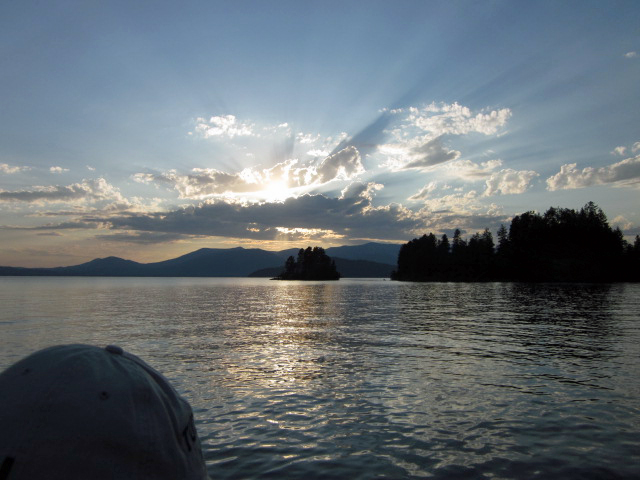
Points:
(312, 264)
(560, 245)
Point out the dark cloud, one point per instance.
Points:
(352, 215)
(88, 190)
(143, 238)
(57, 193)
(346, 163)
(430, 154)
(76, 225)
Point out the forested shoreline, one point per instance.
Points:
(561, 245)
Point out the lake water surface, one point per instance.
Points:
(369, 378)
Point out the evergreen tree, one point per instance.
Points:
(560, 245)
(311, 264)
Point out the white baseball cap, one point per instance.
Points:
(84, 412)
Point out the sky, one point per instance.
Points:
(149, 129)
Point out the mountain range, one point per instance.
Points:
(367, 260)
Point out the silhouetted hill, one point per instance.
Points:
(214, 262)
(373, 252)
(218, 262)
(386, 253)
(347, 269)
(206, 262)
(110, 266)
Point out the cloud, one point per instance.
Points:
(620, 174)
(143, 238)
(224, 126)
(430, 154)
(318, 153)
(619, 151)
(419, 153)
(635, 148)
(458, 203)
(352, 214)
(58, 170)
(419, 133)
(455, 119)
(346, 164)
(631, 54)
(201, 183)
(86, 191)
(9, 169)
(425, 191)
(509, 181)
(622, 222)
(54, 227)
(471, 171)
(505, 181)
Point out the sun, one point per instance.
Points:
(276, 191)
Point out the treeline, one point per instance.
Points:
(311, 264)
(562, 245)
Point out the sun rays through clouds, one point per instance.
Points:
(214, 125)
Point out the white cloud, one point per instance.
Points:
(86, 191)
(419, 153)
(471, 171)
(455, 119)
(306, 233)
(457, 203)
(622, 222)
(623, 173)
(290, 174)
(318, 153)
(226, 126)
(619, 151)
(344, 165)
(509, 181)
(419, 133)
(631, 54)
(58, 170)
(9, 169)
(425, 191)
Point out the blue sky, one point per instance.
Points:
(150, 129)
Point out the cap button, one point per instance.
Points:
(116, 350)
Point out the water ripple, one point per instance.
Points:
(362, 379)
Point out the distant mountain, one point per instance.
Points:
(225, 262)
(374, 252)
(214, 262)
(347, 269)
(206, 262)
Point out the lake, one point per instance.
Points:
(364, 378)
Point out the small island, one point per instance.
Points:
(312, 264)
